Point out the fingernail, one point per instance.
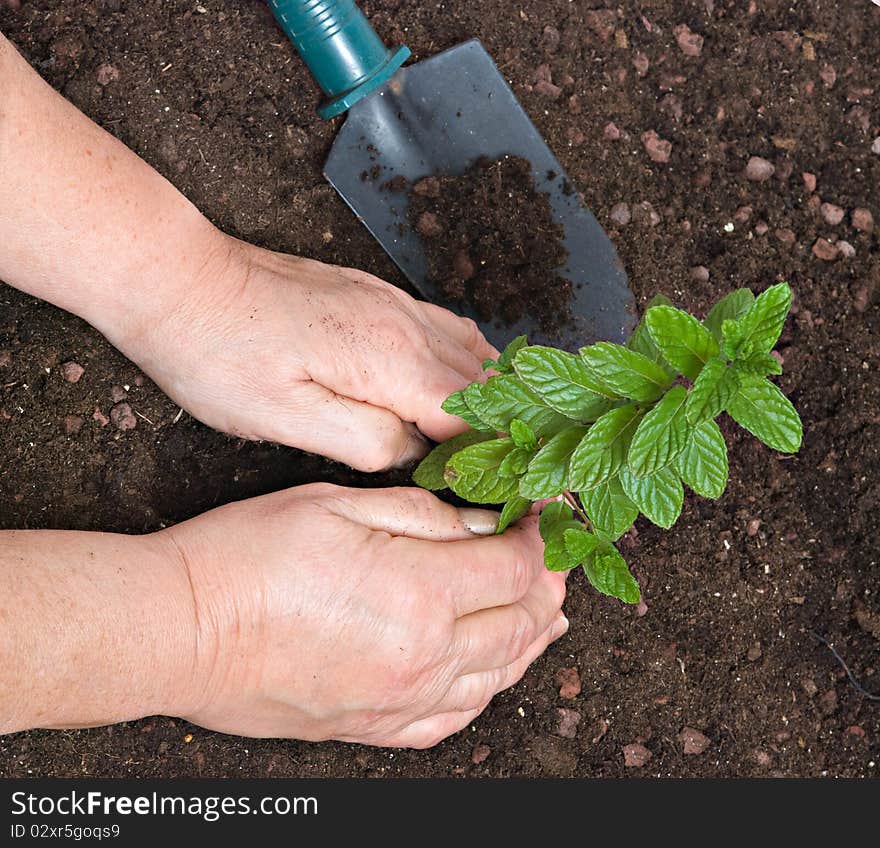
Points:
(480, 522)
(560, 627)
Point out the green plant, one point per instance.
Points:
(616, 430)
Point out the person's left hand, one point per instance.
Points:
(330, 360)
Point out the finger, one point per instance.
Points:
(412, 512)
(451, 353)
(494, 638)
(480, 687)
(480, 573)
(363, 436)
(427, 732)
(463, 330)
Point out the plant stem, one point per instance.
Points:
(572, 501)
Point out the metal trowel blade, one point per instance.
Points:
(440, 116)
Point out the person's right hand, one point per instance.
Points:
(373, 616)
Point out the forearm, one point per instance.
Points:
(95, 628)
(85, 223)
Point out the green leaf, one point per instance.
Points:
(641, 342)
(556, 518)
(659, 497)
(455, 404)
(703, 463)
(759, 364)
(548, 471)
(730, 308)
(501, 399)
(513, 510)
(551, 516)
(609, 509)
(429, 474)
(711, 391)
(661, 436)
(760, 327)
(602, 452)
(564, 381)
(608, 572)
(684, 342)
(515, 463)
(523, 436)
(472, 473)
(767, 414)
(626, 372)
(505, 361)
(580, 543)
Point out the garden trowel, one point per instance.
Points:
(440, 116)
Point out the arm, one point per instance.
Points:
(254, 343)
(95, 628)
(308, 614)
(86, 224)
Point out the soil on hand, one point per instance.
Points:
(491, 242)
(717, 674)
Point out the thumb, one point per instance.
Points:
(414, 513)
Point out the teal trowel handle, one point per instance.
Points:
(346, 57)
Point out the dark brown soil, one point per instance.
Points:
(733, 591)
(491, 241)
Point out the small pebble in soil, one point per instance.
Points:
(429, 225)
(863, 220)
(635, 755)
(809, 181)
(122, 417)
(5, 358)
(690, 43)
(480, 753)
(755, 652)
(117, 393)
(567, 722)
(462, 265)
(620, 214)
(786, 236)
(824, 250)
(857, 731)
(761, 228)
(700, 274)
(861, 299)
(547, 89)
(832, 213)
(72, 371)
(645, 213)
(828, 703)
(99, 416)
(569, 682)
(107, 74)
(73, 424)
(427, 187)
(845, 249)
(759, 169)
(875, 147)
(658, 149)
(641, 63)
(828, 76)
(742, 214)
(611, 132)
(762, 758)
(641, 609)
(693, 741)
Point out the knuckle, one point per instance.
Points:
(521, 635)
(521, 574)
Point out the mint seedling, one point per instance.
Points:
(618, 430)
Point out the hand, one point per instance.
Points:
(330, 360)
(372, 616)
